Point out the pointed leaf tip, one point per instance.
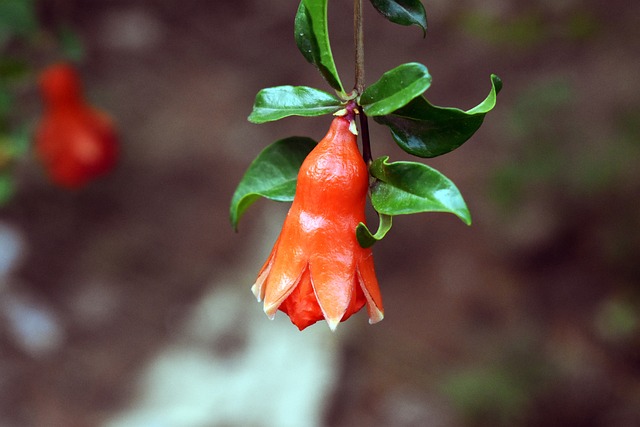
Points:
(425, 130)
(279, 102)
(364, 236)
(403, 12)
(497, 83)
(312, 38)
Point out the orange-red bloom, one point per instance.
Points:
(75, 142)
(317, 269)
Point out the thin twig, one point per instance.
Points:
(358, 37)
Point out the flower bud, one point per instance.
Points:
(317, 269)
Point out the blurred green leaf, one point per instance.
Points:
(409, 187)
(71, 44)
(403, 12)
(424, 130)
(312, 38)
(273, 175)
(494, 394)
(278, 102)
(537, 159)
(366, 239)
(618, 319)
(583, 24)
(17, 17)
(395, 89)
(527, 28)
(13, 145)
(12, 69)
(6, 102)
(535, 107)
(7, 187)
(21, 140)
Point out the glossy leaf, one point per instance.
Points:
(366, 239)
(278, 102)
(273, 175)
(312, 38)
(425, 130)
(395, 89)
(409, 187)
(403, 12)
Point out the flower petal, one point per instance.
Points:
(258, 286)
(289, 263)
(272, 300)
(358, 299)
(369, 285)
(332, 276)
(302, 305)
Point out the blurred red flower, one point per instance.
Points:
(75, 142)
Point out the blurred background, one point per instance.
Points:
(127, 303)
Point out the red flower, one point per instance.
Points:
(317, 269)
(75, 142)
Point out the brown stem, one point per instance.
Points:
(358, 36)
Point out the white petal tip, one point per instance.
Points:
(270, 311)
(376, 316)
(256, 292)
(333, 324)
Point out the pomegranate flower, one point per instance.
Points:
(75, 142)
(317, 269)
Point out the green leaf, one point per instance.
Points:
(17, 17)
(14, 144)
(7, 188)
(304, 36)
(312, 38)
(278, 102)
(424, 130)
(408, 187)
(403, 12)
(71, 44)
(364, 236)
(395, 89)
(12, 70)
(20, 140)
(6, 103)
(273, 175)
